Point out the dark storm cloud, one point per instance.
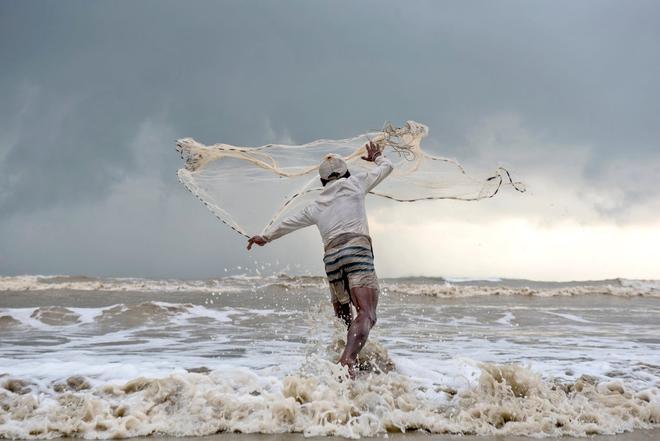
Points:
(80, 79)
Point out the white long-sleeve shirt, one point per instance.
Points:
(338, 209)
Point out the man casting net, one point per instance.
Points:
(251, 188)
(330, 195)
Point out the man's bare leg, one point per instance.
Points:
(343, 312)
(365, 301)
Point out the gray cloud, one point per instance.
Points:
(81, 80)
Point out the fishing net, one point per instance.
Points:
(249, 188)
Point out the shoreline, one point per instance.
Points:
(636, 435)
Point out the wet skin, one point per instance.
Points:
(365, 301)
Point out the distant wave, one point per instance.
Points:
(471, 279)
(429, 286)
(616, 287)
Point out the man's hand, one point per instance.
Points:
(259, 240)
(373, 151)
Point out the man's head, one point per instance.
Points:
(331, 168)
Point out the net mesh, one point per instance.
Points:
(249, 188)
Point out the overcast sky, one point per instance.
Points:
(564, 93)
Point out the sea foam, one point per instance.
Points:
(504, 400)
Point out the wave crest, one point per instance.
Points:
(437, 287)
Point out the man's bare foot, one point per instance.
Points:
(350, 367)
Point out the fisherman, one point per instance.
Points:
(341, 217)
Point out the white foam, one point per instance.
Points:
(182, 312)
(483, 399)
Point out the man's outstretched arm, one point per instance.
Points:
(287, 225)
(381, 171)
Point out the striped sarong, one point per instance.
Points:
(349, 263)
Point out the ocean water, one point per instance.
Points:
(108, 358)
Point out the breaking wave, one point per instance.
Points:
(319, 400)
(437, 287)
(616, 287)
(122, 316)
